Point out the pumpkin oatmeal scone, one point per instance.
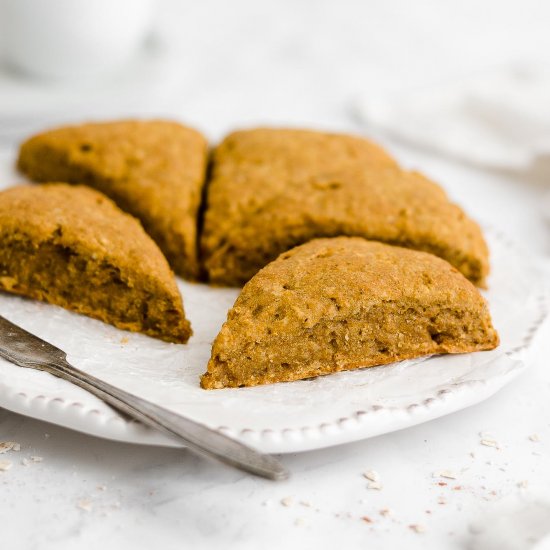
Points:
(73, 247)
(345, 303)
(154, 170)
(272, 189)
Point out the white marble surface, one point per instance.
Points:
(303, 62)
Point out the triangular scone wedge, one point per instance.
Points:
(73, 247)
(272, 189)
(344, 303)
(154, 170)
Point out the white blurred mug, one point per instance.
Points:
(63, 39)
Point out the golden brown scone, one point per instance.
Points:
(71, 246)
(345, 303)
(273, 189)
(154, 170)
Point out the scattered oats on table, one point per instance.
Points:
(490, 443)
(287, 501)
(523, 484)
(371, 475)
(85, 504)
(31, 460)
(445, 473)
(366, 519)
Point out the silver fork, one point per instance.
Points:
(27, 350)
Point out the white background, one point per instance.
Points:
(244, 63)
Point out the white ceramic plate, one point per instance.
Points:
(280, 418)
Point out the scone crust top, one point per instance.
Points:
(153, 169)
(84, 224)
(80, 217)
(272, 189)
(340, 303)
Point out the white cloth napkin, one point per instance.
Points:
(499, 120)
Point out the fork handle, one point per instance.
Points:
(27, 350)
